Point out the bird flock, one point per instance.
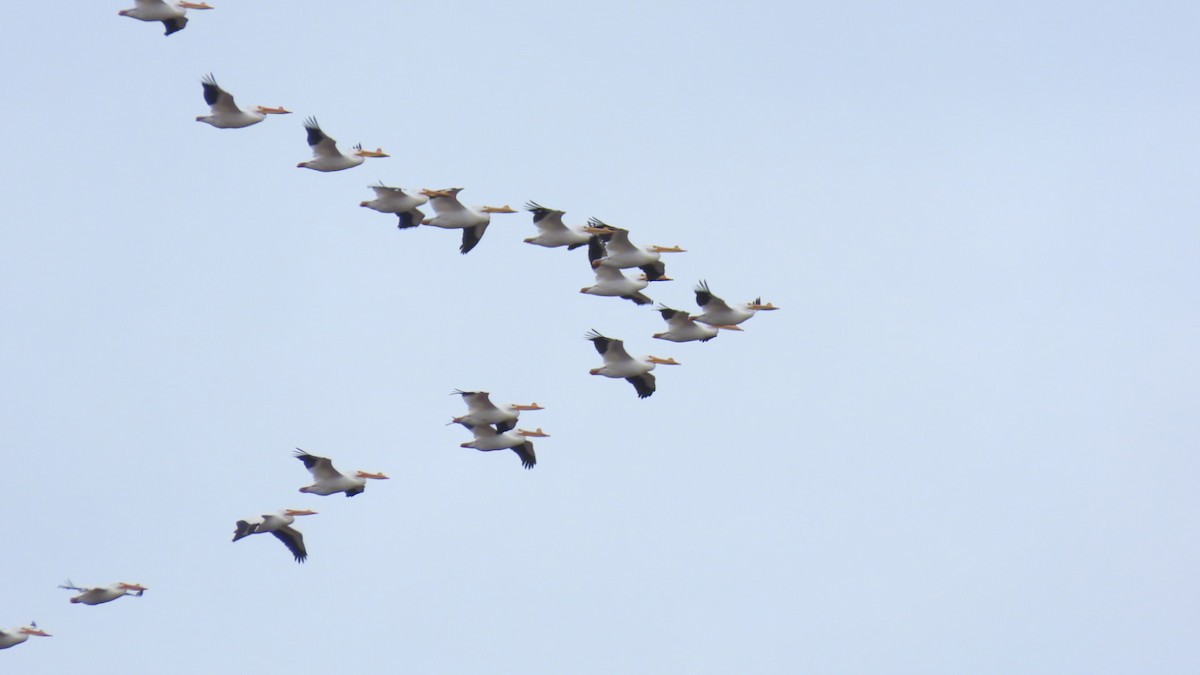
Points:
(493, 427)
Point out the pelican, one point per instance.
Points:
(617, 251)
(326, 156)
(103, 594)
(718, 313)
(329, 480)
(452, 215)
(552, 233)
(277, 524)
(15, 636)
(224, 112)
(173, 16)
(396, 200)
(481, 410)
(681, 327)
(488, 439)
(610, 282)
(618, 363)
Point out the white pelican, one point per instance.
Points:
(102, 594)
(326, 156)
(617, 251)
(681, 327)
(396, 200)
(452, 215)
(277, 524)
(15, 636)
(224, 112)
(618, 363)
(488, 439)
(552, 233)
(611, 283)
(173, 15)
(329, 480)
(481, 410)
(718, 313)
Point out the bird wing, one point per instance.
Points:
(293, 540)
(219, 100)
(644, 384)
(654, 271)
(596, 248)
(707, 300)
(245, 528)
(546, 220)
(525, 452)
(620, 243)
(174, 25)
(605, 273)
(638, 298)
(611, 349)
(322, 145)
(478, 401)
(446, 204)
(471, 237)
(320, 467)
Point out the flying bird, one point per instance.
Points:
(481, 410)
(552, 233)
(488, 439)
(398, 201)
(331, 481)
(611, 282)
(718, 313)
(617, 251)
(452, 215)
(326, 156)
(173, 15)
(278, 524)
(15, 636)
(682, 328)
(618, 363)
(102, 594)
(224, 112)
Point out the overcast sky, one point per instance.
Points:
(966, 444)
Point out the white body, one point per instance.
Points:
(610, 282)
(15, 636)
(452, 214)
(622, 254)
(394, 200)
(154, 10)
(102, 594)
(552, 232)
(682, 328)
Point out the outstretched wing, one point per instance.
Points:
(471, 237)
(525, 452)
(320, 467)
(293, 540)
(644, 384)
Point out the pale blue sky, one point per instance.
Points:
(966, 444)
